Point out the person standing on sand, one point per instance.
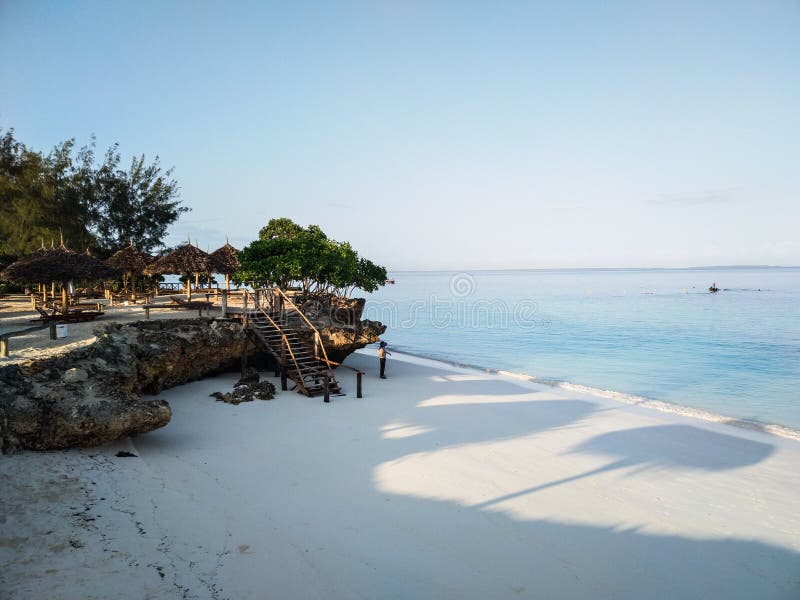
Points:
(382, 352)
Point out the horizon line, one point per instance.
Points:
(689, 268)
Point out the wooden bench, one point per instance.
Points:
(4, 339)
(97, 306)
(197, 305)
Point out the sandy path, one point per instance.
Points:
(16, 315)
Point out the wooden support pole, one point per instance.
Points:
(52, 331)
(327, 386)
(224, 304)
(284, 383)
(244, 356)
(358, 385)
(3, 347)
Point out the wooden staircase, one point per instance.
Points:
(281, 337)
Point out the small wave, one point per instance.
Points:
(660, 405)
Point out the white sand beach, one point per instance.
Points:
(441, 482)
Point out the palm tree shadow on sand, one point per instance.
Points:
(660, 446)
(406, 545)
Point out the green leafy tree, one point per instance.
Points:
(138, 204)
(25, 199)
(66, 194)
(287, 255)
(282, 228)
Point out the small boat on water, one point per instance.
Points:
(389, 281)
(713, 289)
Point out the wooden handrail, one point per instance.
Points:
(283, 335)
(317, 336)
(338, 364)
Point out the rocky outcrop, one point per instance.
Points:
(169, 352)
(339, 323)
(340, 341)
(92, 396)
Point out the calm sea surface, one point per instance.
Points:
(658, 334)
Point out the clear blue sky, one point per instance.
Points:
(440, 135)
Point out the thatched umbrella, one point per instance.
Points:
(225, 260)
(130, 261)
(59, 264)
(186, 259)
(38, 253)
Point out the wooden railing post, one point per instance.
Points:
(284, 384)
(358, 384)
(52, 331)
(327, 386)
(224, 304)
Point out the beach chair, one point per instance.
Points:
(45, 316)
(78, 316)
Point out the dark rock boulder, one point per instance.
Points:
(247, 389)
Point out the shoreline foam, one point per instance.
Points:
(625, 398)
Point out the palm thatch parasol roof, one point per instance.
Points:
(225, 259)
(58, 264)
(129, 260)
(186, 259)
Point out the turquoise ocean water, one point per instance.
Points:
(652, 333)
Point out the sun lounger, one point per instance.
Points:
(74, 317)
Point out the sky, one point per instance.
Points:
(439, 135)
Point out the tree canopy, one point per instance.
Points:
(66, 193)
(287, 254)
